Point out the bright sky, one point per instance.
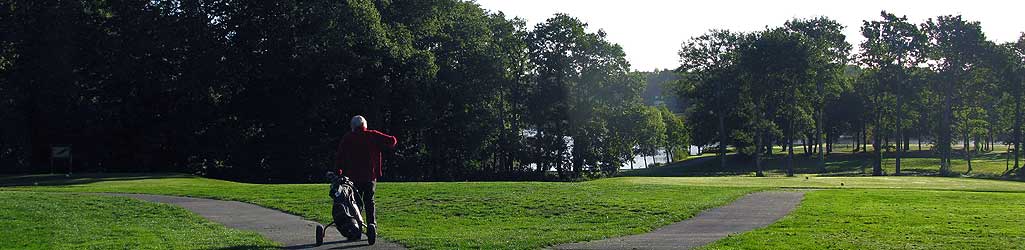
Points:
(651, 31)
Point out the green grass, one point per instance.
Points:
(487, 215)
(989, 165)
(33, 220)
(993, 164)
(893, 219)
(863, 213)
(816, 182)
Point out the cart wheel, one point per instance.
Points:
(320, 235)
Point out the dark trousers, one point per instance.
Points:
(366, 193)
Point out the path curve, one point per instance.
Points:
(293, 232)
(747, 213)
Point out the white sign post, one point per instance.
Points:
(61, 152)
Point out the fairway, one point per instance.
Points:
(460, 215)
(817, 182)
(918, 163)
(32, 220)
(532, 215)
(893, 219)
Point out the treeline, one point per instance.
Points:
(263, 90)
(941, 81)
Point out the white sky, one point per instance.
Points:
(651, 31)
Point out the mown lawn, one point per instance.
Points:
(989, 165)
(31, 220)
(839, 182)
(893, 212)
(894, 219)
(476, 215)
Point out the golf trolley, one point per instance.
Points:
(345, 212)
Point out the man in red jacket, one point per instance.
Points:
(359, 158)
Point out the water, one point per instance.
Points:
(638, 162)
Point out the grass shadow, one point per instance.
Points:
(843, 164)
(85, 178)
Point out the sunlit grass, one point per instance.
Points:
(893, 219)
(33, 220)
(531, 215)
(462, 215)
(810, 181)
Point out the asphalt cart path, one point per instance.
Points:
(750, 212)
(293, 232)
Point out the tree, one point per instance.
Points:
(830, 55)
(954, 47)
(582, 80)
(708, 64)
(677, 137)
(894, 48)
(777, 62)
(653, 134)
(1012, 57)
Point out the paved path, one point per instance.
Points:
(293, 232)
(747, 213)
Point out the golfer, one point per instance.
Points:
(359, 158)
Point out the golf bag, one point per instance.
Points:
(344, 211)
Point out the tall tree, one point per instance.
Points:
(954, 46)
(894, 47)
(677, 137)
(708, 63)
(778, 62)
(830, 53)
(1014, 81)
(581, 79)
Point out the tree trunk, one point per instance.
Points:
(877, 167)
(829, 148)
(790, 148)
(818, 143)
(900, 136)
(886, 142)
(1007, 160)
(818, 127)
(856, 140)
(722, 125)
(989, 139)
(907, 141)
(1017, 127)
(864, 137)
(944, 140)
(967, 146)
(758, 153)
(804, 144)
(669, 154)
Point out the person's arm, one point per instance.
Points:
(385, 141)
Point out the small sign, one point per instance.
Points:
(61, 152)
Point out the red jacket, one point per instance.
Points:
(359, 154)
